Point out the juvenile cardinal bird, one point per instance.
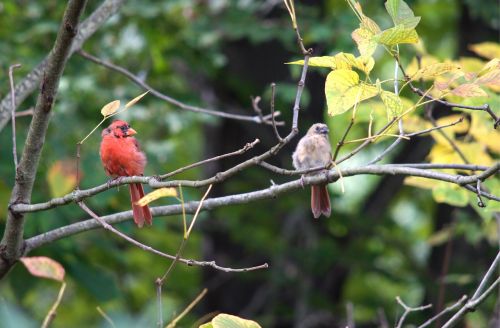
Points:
(314, 150)
(121, 156)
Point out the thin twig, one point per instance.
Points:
(212, 264)
(275, 129)
(53, 310)
(105, 316)
(414, 134)
(243, 150)
(191, 305)
(170, 100)
(480, 202)
(27, 112)
(450, 308)
(342, 140)
(408, 310)
(13, 113)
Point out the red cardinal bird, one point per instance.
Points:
(121, 156)
(314, 150)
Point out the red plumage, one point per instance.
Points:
(121, 156)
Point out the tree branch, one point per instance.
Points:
(244, 198)
(256, 119)
(12, 242)
(29, 84)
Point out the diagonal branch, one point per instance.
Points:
(85, 30)
(256, 119)
(11, 246)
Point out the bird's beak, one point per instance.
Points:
(325, 130)
(131, 132)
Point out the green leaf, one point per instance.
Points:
(343, 90)
(401, 13)
(445, 192)
(396, 35)
(392, 102)
(230, 321)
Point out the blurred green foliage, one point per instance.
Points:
(180, 46)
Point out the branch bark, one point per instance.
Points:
(11, 246)
(244, 198)
(29, 84)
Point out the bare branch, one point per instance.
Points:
(11, 246)
(275, 129)
(13, 113)
(170, 100)
(32, 81)
(103, 222)
(408, 310)
(333, 175)
(243, 150)
(244, 198)
(450, 308)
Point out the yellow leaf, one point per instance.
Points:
(392, 102)
(396, 35)
(343, 90)
(471, 64)
(433, 70)
(488, 50)
(136, 99)
(481, 131)
(369, 24)
(420, 182)
(364, 39)
(425, 61)
(110, 108)
(323, 61)
(44, 267)
(492, 64)
(469, 90)
(414, 123)
(445, 192)
(61, 177)
(158, 193)
(443, 152)
(224, 320)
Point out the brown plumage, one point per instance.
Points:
(314, 150)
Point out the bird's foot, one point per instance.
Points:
(302, 181)
(110, 181)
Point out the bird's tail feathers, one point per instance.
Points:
(141, 213)
(320, 201)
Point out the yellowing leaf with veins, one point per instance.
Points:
(392, 102)
(469, 90)
(364, 39)
(397, 35)
(136, 99)
(110, 108)
(433, 70)
(369, 24)
(44, 267)
(490, 79)
(471, 64)
(158, 193)
(340, 61)
(343, 90)
(488, 50)
(425, 61)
